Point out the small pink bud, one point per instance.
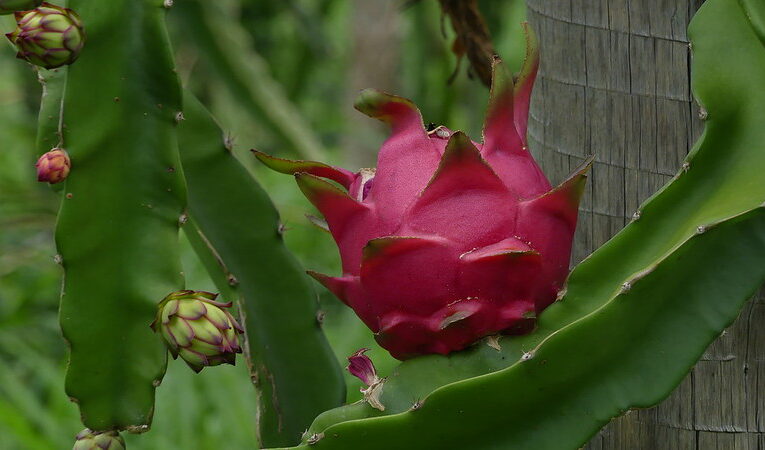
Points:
(361, 367)
(53, 167)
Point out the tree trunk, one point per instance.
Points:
(376, 59)
(615, 82)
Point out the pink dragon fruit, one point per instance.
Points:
(448, 240)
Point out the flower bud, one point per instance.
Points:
(198, 328)
(362, 367)
(48, 36)
(99, 440)
(11, 6)
(53, 167)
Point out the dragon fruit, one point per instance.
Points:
(448, 240)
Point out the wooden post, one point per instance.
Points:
(615, 81)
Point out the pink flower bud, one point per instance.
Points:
(53, 167)
(361, 367)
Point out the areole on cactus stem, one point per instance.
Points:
(448, 240)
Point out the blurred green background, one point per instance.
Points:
(280, 76)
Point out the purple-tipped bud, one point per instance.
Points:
(198, 328)
(53, 167)
(361, 367)
(48, 36)
(99, 440)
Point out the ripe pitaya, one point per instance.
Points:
(448, 240)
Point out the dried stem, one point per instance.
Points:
(473, 37)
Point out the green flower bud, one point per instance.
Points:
(11, 6)
(49, 36)
(99, 440)
(198, 328)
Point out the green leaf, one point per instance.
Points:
(117, 231)
(294, 369)
(637, 314)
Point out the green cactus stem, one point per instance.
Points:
(117, 232)
(295, 371)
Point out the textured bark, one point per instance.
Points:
(615, 82)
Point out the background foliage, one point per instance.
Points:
(280, 77)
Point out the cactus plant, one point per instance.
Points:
(289, 358)
(118, 241)
(611, 343)
(621, 334)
